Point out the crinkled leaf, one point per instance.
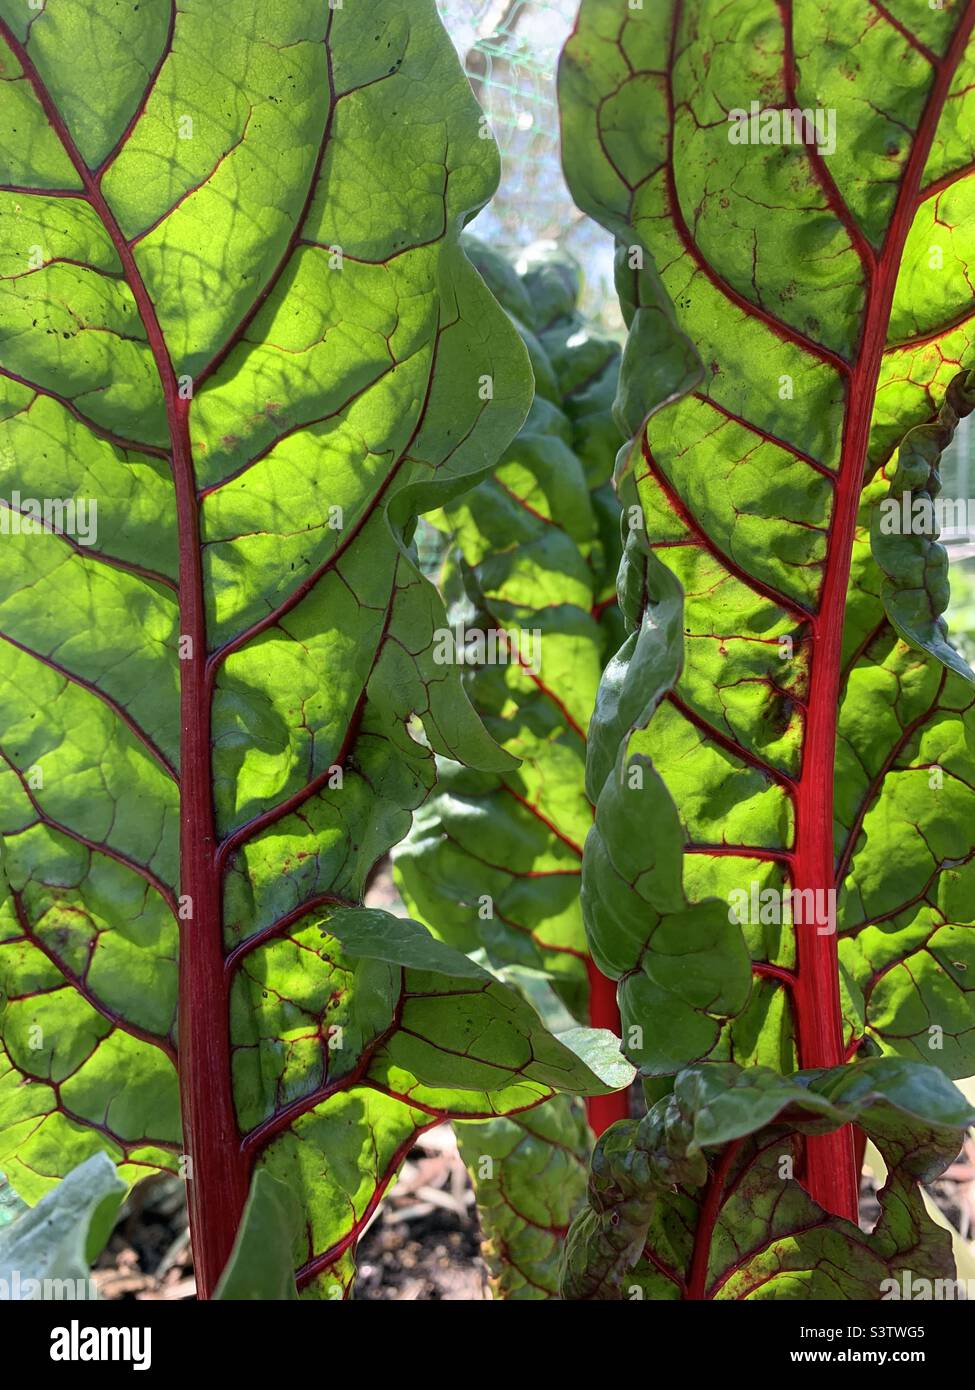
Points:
(683, 967)
(235, 315)
(915, 590)
(700, 1198)
(803, 280)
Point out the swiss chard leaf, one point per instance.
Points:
(807, 715)
(493, 861)
(236, 316)
(529, 1173)
(698, 1199)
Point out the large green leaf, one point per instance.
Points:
(699, 1199)
(236, 315)
(805, 714)
(493, 861)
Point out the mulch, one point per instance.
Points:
(423, 1243)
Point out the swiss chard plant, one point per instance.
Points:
(782, 868)
(242, 349)
(493, 861)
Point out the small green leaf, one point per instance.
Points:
(262, 1263)
(600, 1050)
(61, 1237)
(730, 1133)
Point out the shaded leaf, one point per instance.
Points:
(61, 1237)
(261, 1265)
(700, 1199)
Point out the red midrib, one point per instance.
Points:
(216, 1171)
(697, 1277)
(830, 1172)
(602, 1111)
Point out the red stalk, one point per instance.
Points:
(696, 1289)
(604, 1013)
(216, 1171)
(830, 1174)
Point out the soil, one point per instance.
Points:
(423, 1243)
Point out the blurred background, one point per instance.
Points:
(510, 51)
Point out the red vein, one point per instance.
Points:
(774, 972)
(21, 190)
(707, 1218)
(119, 710)
(731, 745)
(130, 446)
(777, 856)
(761, 433)
(233, 842)
(82, 987)
(831, 1176)
(837, 205)
(89, 552)
(550, 825)
(933, 335)
(683, 512)
(946, 181)
(905, 33)
(147, 91)
(281, 925)
(320, 1263)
